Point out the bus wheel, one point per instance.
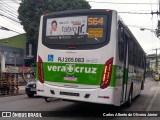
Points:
(48, 99)
(129, 102)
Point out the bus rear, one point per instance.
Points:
(76, 55)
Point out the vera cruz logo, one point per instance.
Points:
(72, 68)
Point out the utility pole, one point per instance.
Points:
(159, 5)
(156, 58)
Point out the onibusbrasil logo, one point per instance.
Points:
(72, 68)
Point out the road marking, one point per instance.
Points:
(151, 102)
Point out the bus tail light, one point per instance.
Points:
(40, 70)
(106, 76)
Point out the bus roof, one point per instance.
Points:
(80, 11)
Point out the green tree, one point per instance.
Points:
(31, 10)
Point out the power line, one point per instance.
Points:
(8, 12)
(26, 21)
(125, 3)
(135, 13)
(31, 23)
(16, 24)
(136, 26)
(157, 12)
(8, 7)
(10, 0)
(4, 3)
(7, 29)
(9, 18)
(15, 1)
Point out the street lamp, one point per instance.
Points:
(152, 30)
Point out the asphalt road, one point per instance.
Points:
(23, 103)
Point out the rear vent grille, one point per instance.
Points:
(69, 94)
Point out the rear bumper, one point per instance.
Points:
(95, 95)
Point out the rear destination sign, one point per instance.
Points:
(72, 68)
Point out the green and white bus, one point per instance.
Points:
(89, 56)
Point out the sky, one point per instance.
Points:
(126, 8)
(9, 8)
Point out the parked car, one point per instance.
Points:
(31, 88)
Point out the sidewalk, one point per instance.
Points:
(21, 89)
(155, 101)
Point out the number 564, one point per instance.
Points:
(95, 21)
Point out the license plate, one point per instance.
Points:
(70, 78)
(33, 89)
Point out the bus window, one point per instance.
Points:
(121, 43)
(130, 53)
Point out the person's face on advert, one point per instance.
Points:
(54, 26)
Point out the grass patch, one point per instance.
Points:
(18, 41)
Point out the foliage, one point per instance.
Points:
(31, 10)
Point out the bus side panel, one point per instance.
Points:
(112, 96)
(137, 81)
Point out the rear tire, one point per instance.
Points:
(129, 102)
(48, 99)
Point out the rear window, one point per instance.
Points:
(75, 30)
